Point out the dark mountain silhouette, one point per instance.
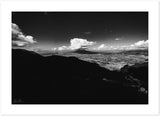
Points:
(68, 80)
(138, 71)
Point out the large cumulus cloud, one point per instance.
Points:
(19, 39)
(77, 43)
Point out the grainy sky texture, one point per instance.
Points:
(56, 29)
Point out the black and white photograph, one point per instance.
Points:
(79, 57)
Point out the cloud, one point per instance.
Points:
(117, 39)
(140, 44)
(77, 43)
(19, 39)
(15, 29)
(106, 47)
(63, 48)
(102, 46)
(53, 49)
(19, 43)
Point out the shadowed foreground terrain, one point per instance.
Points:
(68, 80)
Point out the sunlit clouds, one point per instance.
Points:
(142, 44)
(76, 43)
(18, 37)
(58, 31)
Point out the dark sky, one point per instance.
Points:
(57, 28)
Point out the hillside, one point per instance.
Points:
(69, 80)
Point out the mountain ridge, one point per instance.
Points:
(59, 78)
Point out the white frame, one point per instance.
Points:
(68, 5)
